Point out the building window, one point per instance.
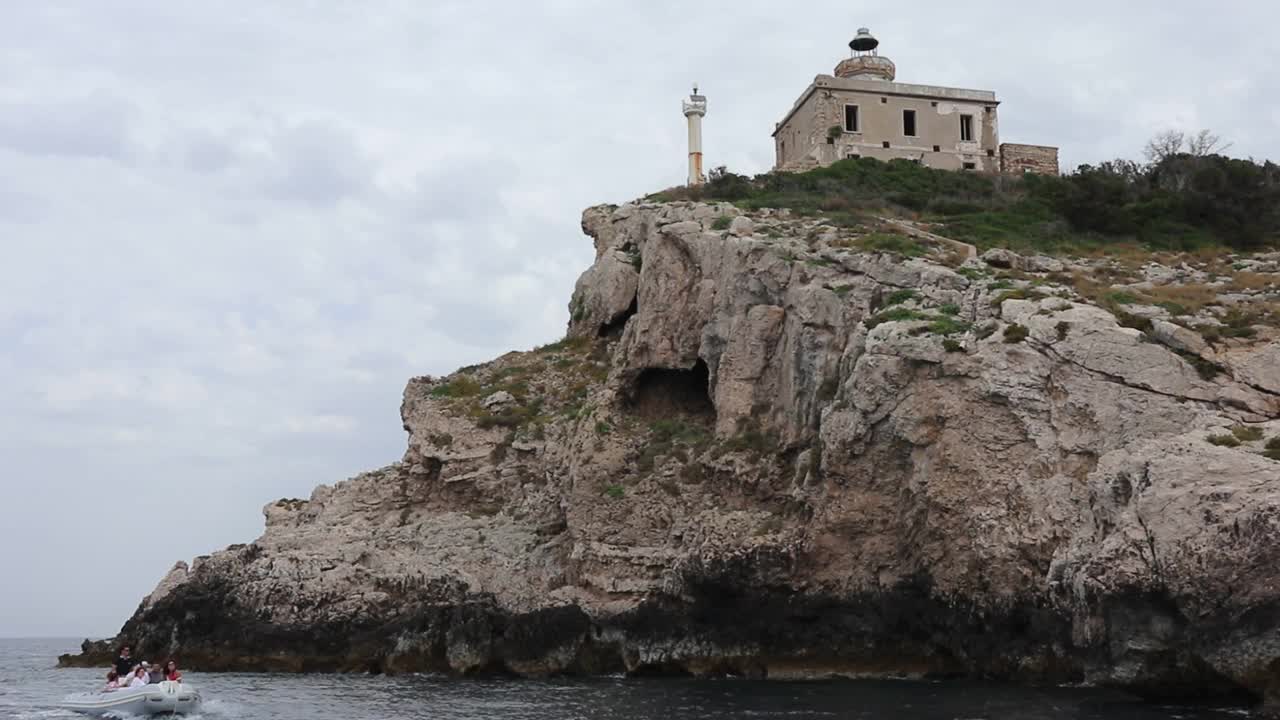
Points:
(909, 123)
(991, 153)
(970, 166)
(884, 100)
(937, 148)
(886, 143)
(966, 128)
(851, 118)
(850, 155)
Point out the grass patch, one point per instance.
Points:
(1015, 333)
(614, 492)
(1224, 440)
(952, 346)
(722, 223)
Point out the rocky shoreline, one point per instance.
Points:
(771, 447)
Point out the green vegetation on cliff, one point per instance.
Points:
(1181, 202)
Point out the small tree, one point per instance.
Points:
(1206, 143)
(1164, 145)
(1175, 142)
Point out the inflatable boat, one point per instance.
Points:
(165, 698)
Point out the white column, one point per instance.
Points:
(694, 109)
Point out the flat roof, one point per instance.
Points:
(883, 87)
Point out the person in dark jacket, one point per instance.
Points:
(125, 662)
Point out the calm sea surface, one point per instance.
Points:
(30, 687)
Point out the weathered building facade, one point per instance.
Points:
(861, 111)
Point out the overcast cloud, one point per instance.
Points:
(232, 230)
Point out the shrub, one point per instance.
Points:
(1273, 448)
(1063, 329)
(1120, 297)
(614, 492)
(891, 243)
(1224, 440)
(1181, 202)
(457, 388)
(951, 346)
(893, 315)
(898, 297)
(1137, 322)
(947, 325)
(722, 223)
(1246, 433)
(949, 309)
(1015, 333)
(1017, 294)
(1206, 369)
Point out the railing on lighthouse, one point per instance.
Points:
(694, 109)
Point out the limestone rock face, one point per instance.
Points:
(762, 450)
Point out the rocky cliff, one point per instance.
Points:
(777, 447)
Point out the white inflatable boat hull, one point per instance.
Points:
(158, 699)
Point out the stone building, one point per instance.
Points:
(861, 111)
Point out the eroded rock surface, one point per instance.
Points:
(765, 450)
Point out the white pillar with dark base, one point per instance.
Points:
(694, 109)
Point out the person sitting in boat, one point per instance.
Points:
(155, 673)
(125, 662)
(140, 678)
(171, 672)
(113, 680)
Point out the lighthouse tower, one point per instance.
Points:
(694, 108)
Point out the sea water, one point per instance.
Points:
(31, 685)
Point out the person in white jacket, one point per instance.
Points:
(140, 678)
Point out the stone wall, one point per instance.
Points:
(1038, 159)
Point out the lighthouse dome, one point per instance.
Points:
(865, 62)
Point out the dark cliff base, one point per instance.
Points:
(720, 631)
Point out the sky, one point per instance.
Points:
(232, 230)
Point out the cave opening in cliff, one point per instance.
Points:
(614, 327)
(663, 392)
